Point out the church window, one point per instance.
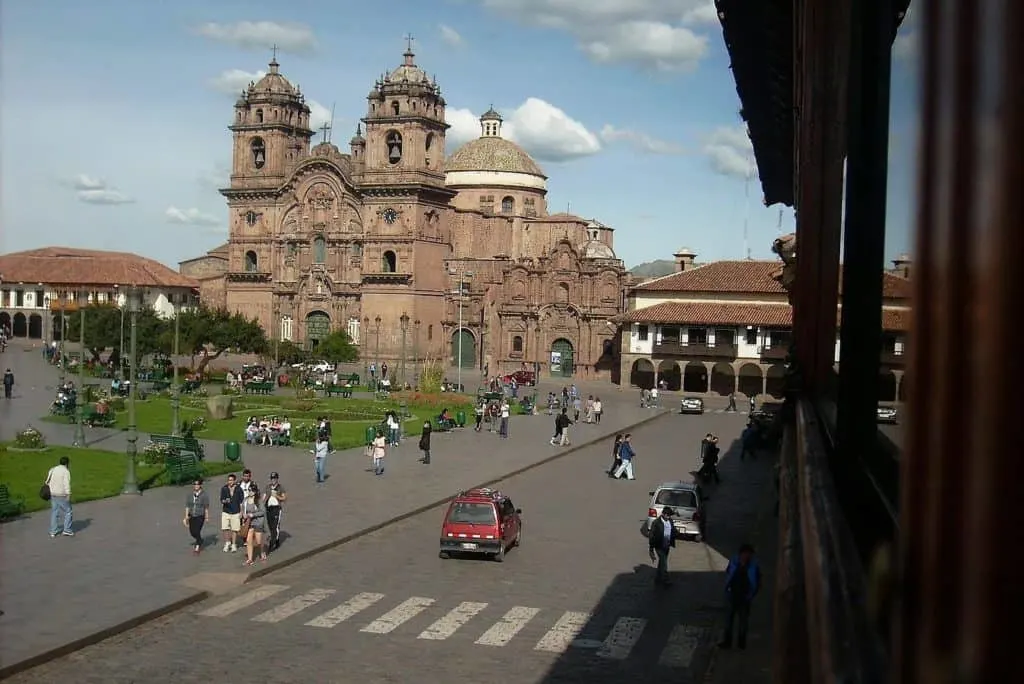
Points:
(353, 329)
(430, 141)
(259, 116)
(259, 152)
(414, 106)
(395, 108)
(319, 250)
(251, 217)
(517, 343)
(357, 249)
(251, 262)
(430, 332)
(286, 328)
(388, 262)
(394, 143)
(508, 205)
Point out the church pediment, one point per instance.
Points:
(328, 169)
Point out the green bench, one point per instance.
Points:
(183, 466)
(332, 390)
(94, 418)
(10, 506)
(191, 386)
(259, 388)
(180, 445)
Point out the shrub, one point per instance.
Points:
(431, 376)
(305, 432)
(154, 454)
(231, 390)
(197, 424)
(116, 403)
(30, 438)
(300, 405)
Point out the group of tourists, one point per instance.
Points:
(248, 516)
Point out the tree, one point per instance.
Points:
(208, 333)
(103, 331)
(290, 353)
(337, 347)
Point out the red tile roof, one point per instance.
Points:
(69, 266)
(721, 313)
(749, 277)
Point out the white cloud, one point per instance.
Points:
(261, 35)
(450, 36)
(233, 81)
(84, 182)
(190, 217)
(544, 130)
(640, 140)
(95, 190)
(318, 115)
(731, 153)
(216, 178)
(649, 33)
(702, 15)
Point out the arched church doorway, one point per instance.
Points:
(318, 327)
(463, 349)
(562, 363)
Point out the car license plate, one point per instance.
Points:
(469, 546)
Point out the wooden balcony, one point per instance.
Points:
(673, 348)
(775, 353)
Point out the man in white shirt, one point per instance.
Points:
(58, 479)
(505, 413)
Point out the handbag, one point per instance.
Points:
(44, 491)
(243, 531)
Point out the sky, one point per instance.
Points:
(114, 113)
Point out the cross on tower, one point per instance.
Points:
(323, 129)
(408, 42)
(274, 50)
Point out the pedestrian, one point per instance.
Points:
(506, 411)
(480, 406)
(276, 496)
(425, 442)
(732, 402)
(753, 404)
(379, 450)
(246, 483)
(384, 371)
(588, 410)
(577, 406)
(626, 455)
(320, 451)
(616, 461)
(231, 513)
(662, 538)
(253, 525)
(598, 410)
(58, 482)
(8, 383)
(197, 513)
(393, 429)
(557, 437)
(747, 441)
(742, 582)
(709, 458)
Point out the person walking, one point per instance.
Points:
(480, 407)
(425, 442)
(320, 451)
(616, 461)
(742, 582)
(626, 455)
(379, 450)
(276, 496)
(231, 500)
(253, 525)
(732, 403)
(8, 383)
(753, 404)
(598, 410)
(506, 411)
(662, 538)
(197, 513)
(577, 406)
(393, 429)
(58, 479)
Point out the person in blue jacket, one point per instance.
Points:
(742, 582)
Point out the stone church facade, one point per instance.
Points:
(416, 254)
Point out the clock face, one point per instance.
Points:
(390, 215)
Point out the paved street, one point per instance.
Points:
(55, 591)
(575, 603)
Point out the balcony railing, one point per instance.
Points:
(718, 351)
(778, 352)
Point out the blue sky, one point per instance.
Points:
(113, 113)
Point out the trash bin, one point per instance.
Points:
(371, 433)
(232, 452)
(460, 418)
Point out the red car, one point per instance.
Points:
(522, 377)
(483, 522)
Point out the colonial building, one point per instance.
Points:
(460, 248)
(724, 327)
(36, 285)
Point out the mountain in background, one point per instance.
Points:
(654, 269)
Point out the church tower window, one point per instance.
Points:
(388, 262)
(394, 143)
(395, 108)
(259, 116)
(517, 343)
(251, 262)
(259, 152)
(508, 205)
(319, 250)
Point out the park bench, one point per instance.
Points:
(180, 445)
(160, 385)
(526, 404)
(332, 390)
(258, 388)
(183, 466)
(94, 418)
(10, 506)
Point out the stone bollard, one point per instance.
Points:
(220, 407)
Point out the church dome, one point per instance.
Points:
(408, 72)
(273, 83)
(595, 249)
(493, 154)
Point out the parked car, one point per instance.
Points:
(322, 367)
(482, 522)
(687, 503)
(523, 378)
(887, 414)
(691, 405)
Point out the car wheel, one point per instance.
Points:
(444, 555)
(519, 537)
(698, 538)
(499, 557)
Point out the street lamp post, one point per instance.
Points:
(120, 348)
(63, 334)
(79, 440)
(131, 485)
(276, 325)
(416, 352)
(364, 349)
(405, 327)
(377, 322)
(175, 389)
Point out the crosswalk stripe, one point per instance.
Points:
(560, 637)
(502, 631)
(402, 613)
(623, 637)
(450, 623)
(297, 604)
(681, 645)
(354, 605)
(244, 601)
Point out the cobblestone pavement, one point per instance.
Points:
(131, 555)
(575, 602)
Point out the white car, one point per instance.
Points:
(691, 405)
(686, 501)
(322, 367)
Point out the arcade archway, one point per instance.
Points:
(775, 380)
(695, 378)
(669, 376)
(751, 381)
(723, 379)
(35, 327)
(19, 327)
(642, 374)
(5, 321)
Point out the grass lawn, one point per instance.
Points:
(349, 417)
(95, 473)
